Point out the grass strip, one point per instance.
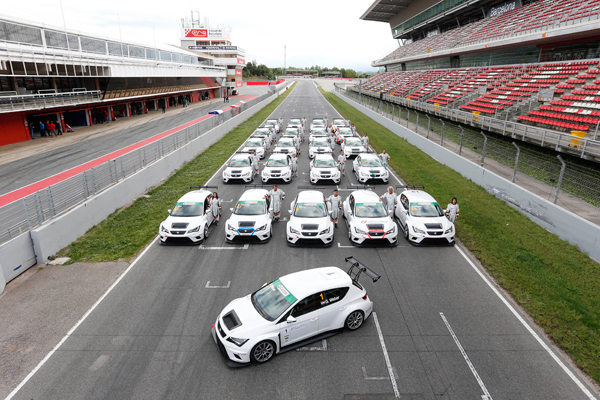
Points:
(124, 233)
(556, 283)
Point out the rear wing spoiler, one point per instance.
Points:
(313, 187)
(258, 185)
(356, 268)
(410, 187)
(204, 187)
(360, 187)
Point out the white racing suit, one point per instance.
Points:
(365, 142)
(254, 161)
(342, 164)
(294, 163)
(297, 142)
(276, 199)
(384, 158)
(390, 202)
(336, 206)
(452, 212)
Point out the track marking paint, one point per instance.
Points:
(378, 378)
(244, 247)
(486, 394)
(387, 357)
(217, 287)
(322, 348)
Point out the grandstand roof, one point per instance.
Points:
(383, 10)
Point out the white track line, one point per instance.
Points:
(529, 329)
(387, 357)
(28, 377)
(486, 394)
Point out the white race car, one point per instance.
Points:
(295, 123)
(309, 219)
(278, 167)
(342, 134)
(291, 132)
(367, 219)
(340, 122)
(189, 221)
(368, 166)
(291, 312)
(251, 218)
(272, 122)
(318, 145)
(352, 147)
(318, 132)
(254, 144)
(261, 133)
(285, 145)
(317, 123)
(324, 168)
(422, 220)
(239, 167)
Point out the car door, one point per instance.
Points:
(332, 308)
(207, 211)
(403, 210)
(356, 164)
(306, 313)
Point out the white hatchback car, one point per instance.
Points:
(352, 147)
(340, 122)
(290, 132)
(278, 167)
(343, 133)
(261, 133)
(367, 219)
(239, 167)
(252, 217)
(422, 220)
(254, 144)
(317, 123)
(324, 168)
(319, 145)
(291, 312)
(190, 220)
(318, 133)
(309, 219)
(273, 122)
(284, 145)
(368, 166)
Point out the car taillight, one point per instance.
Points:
(365, 297)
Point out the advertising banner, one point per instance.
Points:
(212, 48)
(238, 72)
(195, 33)
(504, 7)
(241, 61)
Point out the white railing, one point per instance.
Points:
(47, 100)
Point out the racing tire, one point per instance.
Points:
(262, 352)
(405, 232)
(205, 231)
(354, 320)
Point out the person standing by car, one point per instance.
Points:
(30, 126)
(452, 210)
(342, 163)
(390, 200)
(215, 207)
(335, 202)
(385, 157)
(254, 161)
(42, 129)
(294, 164)
(50, 128)
(267, 142)
(277, 197)
(365, 142)
(59, 130)
(297, 142)
(332, 142)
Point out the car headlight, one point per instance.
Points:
(294, 231)
(231, 228)
(364, 173)
(225, 174)
(196, 229)
(265, 173)
(324, 231)
(359, 231)
(247, 173)
(391, 230)
(448, 231)
(262, 228)
(163, 229)
(417, 230)
(238, 342)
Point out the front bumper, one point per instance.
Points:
(233, 235)
(318, 178)
(194, 237)
(233, 356)
(370, 237)
(297, 238)
(431, 238)
(364, 178)
(312, 153)
(237, 177)
(285, 176)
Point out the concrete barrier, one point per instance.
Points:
(565, 224)
(63, 230)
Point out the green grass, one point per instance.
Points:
(556, 283)
(127, 231)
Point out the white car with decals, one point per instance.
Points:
(278, 167)
(324, 168)
(340, 122)
(317, 123)
(368, 166)
(273, 122)
(318, 145)
(239, 167)
(352, 147)
(291, 312)
(290, 132)
(254, 144)
(309, 219)
(251, 218)
(421, 218)
(285, 145)
(318, 133)
(367, 219)
(343, 133)
(189, 221)
(261, 133)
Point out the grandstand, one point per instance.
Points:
(532, 62)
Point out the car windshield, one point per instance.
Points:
(370, 162)
(254, 143)
(426, 210)
(187, 209)
(353, 142)
(318, 132)
(272, 300)
(272, 122)
(345, 132)
(370, 210)
(339, 122)
(310, 210)
(291, 131)
(324, 164)
(295, 122)
(239, 162)
(287, 142)
(262, 131)
(251, 207)
(318, 122)
(277, 162)
(320, 143)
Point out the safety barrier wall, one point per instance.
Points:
(565, 224)
(60, 230)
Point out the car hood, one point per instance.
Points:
(191, 222)
(325, 170)
(251, 322)
(269, 169)
(243, 169)
(258, 220)
(372, 170)
(298, 222)
(431, 223)
(252, 149)
(364, 222)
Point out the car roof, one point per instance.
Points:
(254, 194)
(326, 156)
(312, 281)
(195, 196)
(369, 155)
(419, 195)
(365, 195)
(310, 195)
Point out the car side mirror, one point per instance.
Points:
(169, 211)
(291, 320)
(231, 209)
(290, 211)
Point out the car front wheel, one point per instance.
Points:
(263, 351)
(355, 320)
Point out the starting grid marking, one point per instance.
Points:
(244, 247)
(217, 287)
(322, 348)
(378, 378)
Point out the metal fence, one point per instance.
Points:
(537, 169)
(32, 211)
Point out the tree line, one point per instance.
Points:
(261, 70)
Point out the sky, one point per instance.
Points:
(325, 33)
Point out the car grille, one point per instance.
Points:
(246, 230)
(283, 151)
(310, 227)
(278, 171)
(376, 234)
(236, 172)
(325, 175)
(435, 233)
(375, 226)
(433, 226)
(179, 225)
(310, 233)
(177, 232)
(246, 224)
